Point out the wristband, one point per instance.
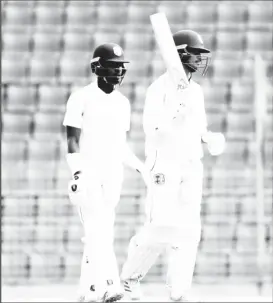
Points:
(74, 162)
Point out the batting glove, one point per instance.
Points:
(215, 142)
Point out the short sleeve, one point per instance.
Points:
(74, 111)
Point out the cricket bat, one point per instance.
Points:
(168, 51)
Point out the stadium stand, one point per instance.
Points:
(46, 49)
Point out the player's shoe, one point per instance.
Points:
(93, 295)
(132, 289)
(182, 299)
(113, 294)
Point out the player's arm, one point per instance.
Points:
(73, 147)
(73, 122)
(129, 158)
(215, 141)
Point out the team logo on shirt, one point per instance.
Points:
(117, 50)
(182, 84)
(159, 179)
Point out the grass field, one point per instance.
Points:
(152, 293)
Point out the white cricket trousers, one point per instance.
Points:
(97, 214)
(173, 224)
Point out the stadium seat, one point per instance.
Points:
(16, 16)
(231, 16)
(243, 265)
(102, 36)
(137, 41)
(247, 69)
(74, 68)
(229, 179)
(215, 96)
(137, 71)
(157, 68)
(174, 11)
(46, 41)
(49, 238)
(205, 14)
(242, 97)
(258, 42)
(227, 41)
(81, 3)
(211, 265)
(18, 238)
(78, 41)
(16, 41)
(52, 98)
(43, 68)
(16, 125)
(81, 16)
(14, 150)
(63, 175)
(13, 179)
(111, 15)
(208, 39)
(269, 237)
(72, 268)
(42, 150)
(136, 131)
(51, 4)
(138, 15)
(46, 267)
(21, 98)
(14, 68)
(268, 153)
(75, 234)
(217, 237)
(15, 206)
(225, 69)
(248, 210)
(128, 206)
(40, 175)
(49, 17)
(269, 126)
(235, 154)
(14, 267)
(48, 125)
(220, 209)
(54, 206)
(259, 14)
(216, 121)
(140, 95)
(127, 89)
(240, 125)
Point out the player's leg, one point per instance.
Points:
(142, 253)
(182, 255)
(92, 281)
(111, 190)
(181, 263)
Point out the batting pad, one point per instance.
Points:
(140, 260)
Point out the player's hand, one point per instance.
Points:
(215, 142)
(77, 189)
(77, 175)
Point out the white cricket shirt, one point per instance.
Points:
(173, 124)
(104, 120)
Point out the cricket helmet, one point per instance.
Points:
(108, 63)
(192, 52)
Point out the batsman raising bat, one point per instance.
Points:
(175, 125)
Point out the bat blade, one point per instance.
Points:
(168, 50)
